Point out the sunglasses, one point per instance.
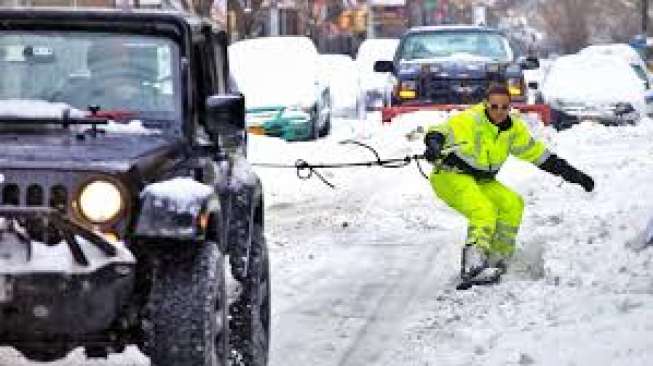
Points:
(496, 107)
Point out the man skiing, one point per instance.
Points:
(481, 138)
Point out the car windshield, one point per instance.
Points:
(455, 43)
(130, 75)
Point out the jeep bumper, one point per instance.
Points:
(67, 289)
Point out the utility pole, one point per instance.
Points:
(645, 17)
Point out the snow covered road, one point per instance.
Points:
(364, 274)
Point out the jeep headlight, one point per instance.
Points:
(100, 201)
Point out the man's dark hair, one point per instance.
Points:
(497, 89)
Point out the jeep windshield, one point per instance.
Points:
(455, 44)
(130, 76)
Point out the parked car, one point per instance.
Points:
(341, 74)
(633, 58)
(377, 87)
(284, 93)
(595, 87)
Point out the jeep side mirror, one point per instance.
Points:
(384, 66)
(225, 116)
(529, 63)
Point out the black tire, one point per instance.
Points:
(326, 128)
(250, 313)
(188, 311)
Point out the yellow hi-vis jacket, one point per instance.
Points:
(483, 147)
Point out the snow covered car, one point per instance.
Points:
(445, 65)
(341, 75)
(124, 190)
(630, 55)
(377, 87)
(597, 87)
(284, 93)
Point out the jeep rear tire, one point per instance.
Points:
(250, 313)
(188, 311)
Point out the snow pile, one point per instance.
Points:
(182, 194)
(29, 108)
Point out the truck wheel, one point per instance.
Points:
(250, 313)
(188, 311)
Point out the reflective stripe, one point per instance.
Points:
(452, 137)
(545, 155)
(511, 139)
(522, 149)
(479, 236)
(477, 143)
(504, 238)
(505, 228)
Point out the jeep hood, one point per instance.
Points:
(106, 152)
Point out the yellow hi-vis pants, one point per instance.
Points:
(493, 210)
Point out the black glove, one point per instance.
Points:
(581, 178)
(434, 142)
(554, 165)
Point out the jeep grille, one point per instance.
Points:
(35, 195)
(37, 190)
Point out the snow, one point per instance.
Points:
(576, 293)
(36, 109)
(183, 193)
(616, 49)
(133, 127)
(242, 174)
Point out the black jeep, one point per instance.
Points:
(454, 65)
(124, 188)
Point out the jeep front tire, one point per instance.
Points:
(188, 312)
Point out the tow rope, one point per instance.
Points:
(306, 170)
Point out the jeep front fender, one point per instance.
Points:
(176, 209)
